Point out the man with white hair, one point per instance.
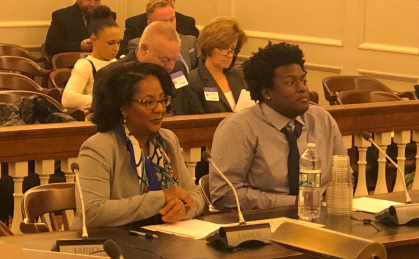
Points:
(160, 44)
(163, 10)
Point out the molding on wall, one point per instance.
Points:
(389, 76)
(309, 66)
(323, 68)
(289, 38)
(389, 48)
(24, 24)
(293, 38)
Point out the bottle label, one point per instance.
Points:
(310, 178)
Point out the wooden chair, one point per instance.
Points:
(4, 230)
(11, 81)
(204, 187)
(13, 96)
(51, 199)
(59, 78)
(67, 59)
(314, 97)
(335, 84)
(25, 67)
(365, 96)
(7, 49)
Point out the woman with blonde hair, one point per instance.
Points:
(215, 81)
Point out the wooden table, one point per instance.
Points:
(400, 241)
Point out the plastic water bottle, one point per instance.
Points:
(309, 201)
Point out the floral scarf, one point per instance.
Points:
(155, 171)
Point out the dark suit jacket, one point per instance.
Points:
(201, 77)
(183, 103)
(67, 31)
(134, 27)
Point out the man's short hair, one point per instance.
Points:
(153, 4)
(159, 28)
(259, 70)
(220, 33)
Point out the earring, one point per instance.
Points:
(268, 98)
(125, 117)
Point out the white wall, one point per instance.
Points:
(378, 38)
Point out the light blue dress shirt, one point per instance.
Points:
(252, 152)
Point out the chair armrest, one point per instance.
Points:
(29, 228)
(408, 94)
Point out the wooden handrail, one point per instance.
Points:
(50, 141)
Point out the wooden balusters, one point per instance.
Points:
(17, 170)
(66, 168)
(362, 144)
(44, 168)
(382, 140)
(401, 138)
(191, 157)
(415, 137)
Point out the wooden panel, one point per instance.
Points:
(382, 22)
(49, 141)
(294, 17)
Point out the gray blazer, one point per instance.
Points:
(110, 185)
(188, 50)
(201, 77)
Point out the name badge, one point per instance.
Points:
(211, 94)
(179, 79)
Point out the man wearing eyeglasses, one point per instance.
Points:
(160, 44)
(160, 10)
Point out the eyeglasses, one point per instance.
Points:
(226, 52)
(152, 104)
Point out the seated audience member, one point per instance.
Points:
(251, 146)
(69, 28)
(163, 10)
(133, 169)
(160, 45)
(134, 27)
(106, 37)
(216, 85)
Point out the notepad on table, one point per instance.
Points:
(371, 205)
(199, 229)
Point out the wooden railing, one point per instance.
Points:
(47, 142)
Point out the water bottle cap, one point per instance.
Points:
(311, 145)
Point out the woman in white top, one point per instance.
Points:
(106, 37)
(215, 82)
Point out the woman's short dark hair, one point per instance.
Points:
(259, 69)
(100, 19)
(117, 88)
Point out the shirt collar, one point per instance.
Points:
(276, 119)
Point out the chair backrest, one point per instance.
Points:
(205, 191)
(4, 230)
(314, 97)
(12, 96)
(50, 198)
(59, 78)
(365, 96)
(335, 84)
(12, 81)
(7, 49)
(67, 59)
(24, 66)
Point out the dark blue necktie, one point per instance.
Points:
(293, 156)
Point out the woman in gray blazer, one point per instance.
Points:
(132, 170)
(215, 82)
